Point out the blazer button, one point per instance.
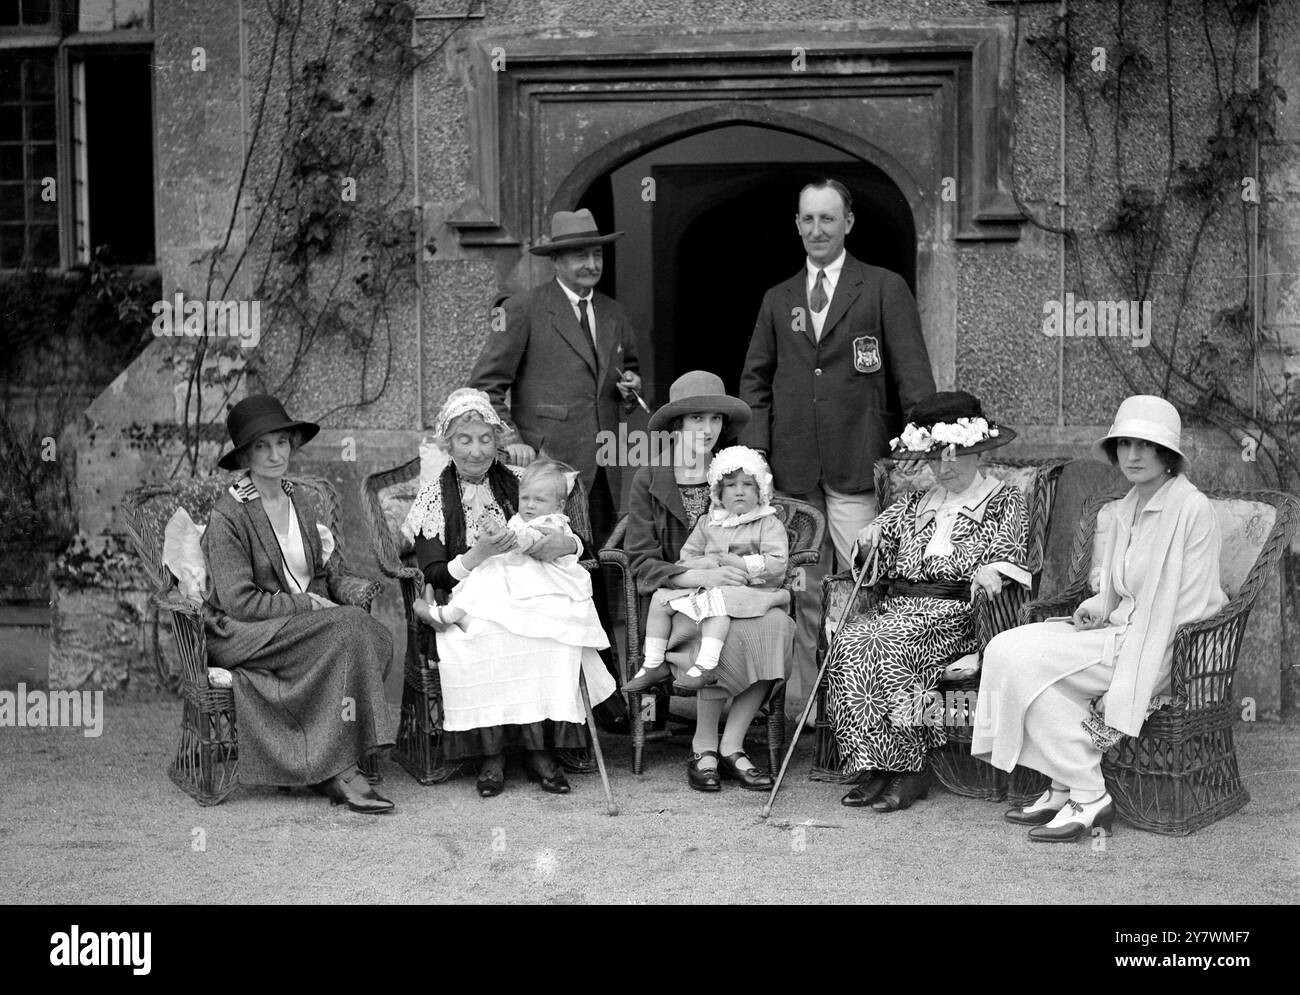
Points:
(817, 372)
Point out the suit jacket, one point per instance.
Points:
(822, 409)
(252, 596)
(561, 395)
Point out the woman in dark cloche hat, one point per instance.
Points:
(308, 671)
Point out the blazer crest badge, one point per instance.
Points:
(866, 354)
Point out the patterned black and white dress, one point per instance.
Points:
(883, 664)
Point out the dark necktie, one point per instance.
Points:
(818, 299)
(586, 323)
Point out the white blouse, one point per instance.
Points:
(295, 553)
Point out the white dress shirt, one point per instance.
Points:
(577, 313)
(832, 278)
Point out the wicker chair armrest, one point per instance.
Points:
(615, 557)
(173, 601)
(997, 613)
(190, 635)
(1202, 644)
(803, 557)
(1063, 603)
(349, 589)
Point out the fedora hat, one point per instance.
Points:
(252, 418)
(1144, 416)
(948, 418)
(696, 392)
(572, 230)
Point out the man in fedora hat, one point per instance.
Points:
(568, 359)
(835, 350)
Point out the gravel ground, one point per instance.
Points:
(97, 821)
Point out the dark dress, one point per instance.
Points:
(429, 532)
(308, 685)
(756, 649)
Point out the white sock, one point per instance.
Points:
(654, 652)
(1085, 797)
(710, 650)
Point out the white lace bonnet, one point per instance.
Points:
(462, 401)
(741, 458)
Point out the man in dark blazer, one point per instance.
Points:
(567, 355)
(830, 346)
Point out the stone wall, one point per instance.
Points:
(989, 293)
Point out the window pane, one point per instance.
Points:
(9, 77)
(41, 209)
(11, 246)
(36, 11)
(119, 156)
(42, 161)
(11, 202)
(40, 122)
(11, 124)
(44, 245)
(11, 162)
(39, 79)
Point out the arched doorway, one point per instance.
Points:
(710, 227)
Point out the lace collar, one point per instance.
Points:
(721, 517)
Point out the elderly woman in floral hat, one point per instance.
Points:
(457, 522)
(930, 549)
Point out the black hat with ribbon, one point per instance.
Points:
(254, 417)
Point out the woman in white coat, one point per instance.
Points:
(1055, 695)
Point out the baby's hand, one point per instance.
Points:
(732, 560)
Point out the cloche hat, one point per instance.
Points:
(948, 418)
(700, 391)
(1144, 416)
(252, 418)
(573, 230)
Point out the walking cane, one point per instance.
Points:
(868, 568)
(595, 742)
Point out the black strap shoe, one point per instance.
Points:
(703, 779)
(752, 779)
(902, 791)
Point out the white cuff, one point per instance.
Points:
(754, 564)
(457, 568)
(1007, 569)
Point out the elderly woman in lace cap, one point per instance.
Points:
(457, 522)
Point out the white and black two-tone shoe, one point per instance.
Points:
(1077, 820)
(1041, 810)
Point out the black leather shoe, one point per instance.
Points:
(902, 791)
(868, 791)
(703, 780)
(751, 779)
(490, 785)
(352, 790)
(556, 784)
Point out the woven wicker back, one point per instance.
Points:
(1255, 527)
(1036, 479)
(146, 511)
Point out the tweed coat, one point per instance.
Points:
(561, 395)
(822, 408)
(308, 685)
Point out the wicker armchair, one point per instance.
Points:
(386, 498)
(806, 527)
(1181, 773)
(205, 766)
(952, 763)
